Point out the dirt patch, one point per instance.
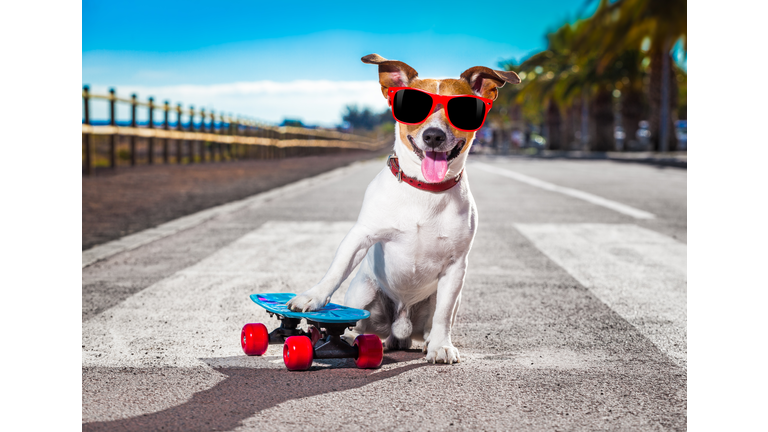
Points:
(128, 200)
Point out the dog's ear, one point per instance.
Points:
(392, 73)
(485, 81)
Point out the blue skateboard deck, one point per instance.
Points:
(330, 313)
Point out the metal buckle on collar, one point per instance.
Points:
(399, 170)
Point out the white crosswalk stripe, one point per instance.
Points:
(638, 273)
(575, 193)
(194, 317)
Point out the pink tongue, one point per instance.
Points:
(434, 166)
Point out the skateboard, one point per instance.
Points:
(322, 340)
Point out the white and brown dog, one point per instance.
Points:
(418, 219)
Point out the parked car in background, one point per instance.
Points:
(681, 132)
(620, 136)
(483, 141)
(537, 141)
(517, 138)
(642, 138)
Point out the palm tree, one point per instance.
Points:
(564, 82)
(627, 24)
(551, 84)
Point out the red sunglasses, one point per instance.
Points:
(464, 112)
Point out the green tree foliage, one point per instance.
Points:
(596, 65)
(365, 118)
(630, 24)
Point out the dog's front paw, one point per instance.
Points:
(442, 353)
(307, 302)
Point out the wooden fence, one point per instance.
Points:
(214, 135)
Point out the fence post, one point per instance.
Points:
(223, 131)
(233, 130)
(219, 145)
(113, 137)
(179, 143)
(87, 142)
(133, 125)
(214, 144)
(228, 131)
(165, 126)
(203, 150)
(151, 125)
(243, 149)
(192, 142)
(224, 148)
(232, 148)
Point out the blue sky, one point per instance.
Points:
(270, 60)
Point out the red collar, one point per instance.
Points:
(394, 166)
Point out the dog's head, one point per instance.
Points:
(436, 145)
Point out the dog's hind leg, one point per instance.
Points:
(421, 318)
(364, 293)
(400, 337)
(422, 314)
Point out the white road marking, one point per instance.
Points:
(141, 238)
(594, 199)
(639, 273)
(194, 317)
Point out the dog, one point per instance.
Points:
(418, 219)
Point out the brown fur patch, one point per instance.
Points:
(392, 73)
(485, 81)
(448, 86)
(478, 80)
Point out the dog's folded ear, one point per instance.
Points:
(485, 81)
(392, 73)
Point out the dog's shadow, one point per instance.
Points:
(246, 391)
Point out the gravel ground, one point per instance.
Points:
(119, 203)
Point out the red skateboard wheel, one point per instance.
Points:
(370, 353)
(254, 339)
(297, 353)
(314, 334)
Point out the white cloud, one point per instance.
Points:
(318, 102)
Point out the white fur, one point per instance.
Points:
(411, 164)
(412, 247)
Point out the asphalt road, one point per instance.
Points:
(573, 315)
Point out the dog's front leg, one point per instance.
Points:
(440, 348)
(349, 254)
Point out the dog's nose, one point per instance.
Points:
(433, 137)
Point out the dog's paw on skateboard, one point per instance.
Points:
(306, 302)
(442, 353)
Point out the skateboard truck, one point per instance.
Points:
(332, 345)
(288, 327)
(322, 340)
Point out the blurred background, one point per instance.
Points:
(597, 75)
(279, 92)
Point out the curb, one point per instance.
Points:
(676, 160)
